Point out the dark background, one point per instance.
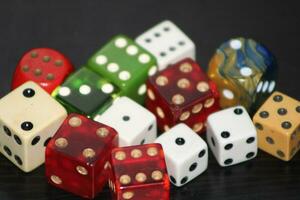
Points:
(78, 28)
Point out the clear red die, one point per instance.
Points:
(78, 155)
(139, 173)
(47, 67)
(182, 93)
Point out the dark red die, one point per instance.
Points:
(139, 173)
(182, 93)
(78, 155)
(47, 67)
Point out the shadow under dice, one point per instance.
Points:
(29, 117)
(139, 173)
(186, 154)
(135, 124)
(182, 93)
(167, 43)
(245, 72)
(77, 156)
(44, 66)
(126, 65)
(278, 126)
(85, 92)
(231, 136)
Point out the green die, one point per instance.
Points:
(85, 92)
(125, 64)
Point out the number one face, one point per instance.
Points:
(44, 66)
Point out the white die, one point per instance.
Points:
(135, 124)
(29, 117)
(185, 152)
(231, 136)
(167, 43)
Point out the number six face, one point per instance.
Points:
(44, 66)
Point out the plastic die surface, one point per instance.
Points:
(29, 117)
(186, 154)
(135, 124)
(278, 125)
(231, 136)
(167, 43)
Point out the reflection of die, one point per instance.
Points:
(29, 117)
(47, 67)
(186, 154)
(182, 93)
(139, 173)
(278, 126)
(77, 157)
(167, 43)
(231, 136)
(245, 72)
(125, 64)
(135, 124)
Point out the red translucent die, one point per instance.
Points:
(139, 173)
(78, 154)
(182, 93)
(47, 67)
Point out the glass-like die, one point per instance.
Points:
(182, 93)
(77, 157)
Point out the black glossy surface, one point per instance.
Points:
(78, 28)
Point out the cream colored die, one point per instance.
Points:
(29, 117)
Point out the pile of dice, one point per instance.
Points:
(98, 125)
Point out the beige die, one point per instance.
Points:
(29, 117)
(278, 126)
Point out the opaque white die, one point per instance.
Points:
(185, 152)
(29, 117)
(167, 43)
(231, 136)
(135, 124)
